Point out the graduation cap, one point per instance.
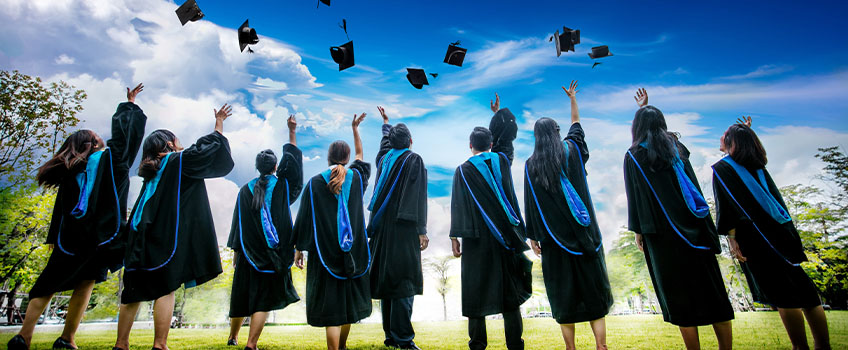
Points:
(595, 64)
(326, 2)
(600, 52)
(435, 75)
(455, 54)
(566, 40)
(247, 36)
(189, 11)
(343, 55)
(417, 77)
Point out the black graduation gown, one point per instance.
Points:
(395, 247)
(494, 279)
(771, 248)
(337, 283)
(88, 247)
(576, 282)
(687, 280)
(262, 277)
(175, 242)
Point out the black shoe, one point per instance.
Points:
(62, 344)
(116, 348)
(17, 343)
(411, 345)
(248, 348)
(390, 343)
(232, 342)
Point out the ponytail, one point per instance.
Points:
(266, 162)
(155, 147)
(337, 156)
(337, 178)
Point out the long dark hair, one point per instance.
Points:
(266, 163)
(154, 148)
(338, 155)
(743, 145)
(547, 161)
(649, 127)
(73, 154)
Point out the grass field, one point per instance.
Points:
(761, 330)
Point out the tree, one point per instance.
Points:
(34, 120)
(628, 273)
(440, 269)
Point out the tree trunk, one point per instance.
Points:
(444, 307)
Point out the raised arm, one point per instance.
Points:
(572, 95)
(357, 142)
(641, 97)
(385, 145)
(292, 124)
(220, 115)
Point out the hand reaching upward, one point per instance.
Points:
(572, 89)
(383, 114)
(131, 94)
(744, 121)
(496, 105)
(292, 124)
(641, 97)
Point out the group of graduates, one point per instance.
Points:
(169, 240)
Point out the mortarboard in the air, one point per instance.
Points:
(247, 36)
(326, 2)
(189, 11)
(343, 55)
(417, 77)
(455, 54)
(566, 40)
(600, 52)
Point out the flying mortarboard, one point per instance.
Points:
(417, 77)
(600, 52)
(455, 54)
(247, 36)
(566, 40)
(343, 55)
(326, 2)
(189, 11)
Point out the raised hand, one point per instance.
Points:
(357, 120)
(131, 94)
(744, 121)
(496, 105)
(292, 124)
(383, 114)
(357, 141)
(572, 89)
(220, 115)
(641, 97)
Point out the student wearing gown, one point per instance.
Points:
(485, 215)
(398, 232)
(330, 225)
(750, 211)
(673, 227)
(171, 237)
(92, 178)
(261, 238)
(563, 228)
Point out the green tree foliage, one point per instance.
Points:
(628, 274)
(24, 220)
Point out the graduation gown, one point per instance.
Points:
(679, 247)
(262, 278)
(773, 250)
(572, 256)
(495, 278)
(398, 216)
(174, 242)
(337, 282)
(87, 247)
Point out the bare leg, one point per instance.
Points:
(257, 322)
(343, 336)
(333, 334)
(126, 317)
(163, 310)
(235, 327)
(818, 327)
(793, 321)
(599, 329)
(690, 338)
(724, 334)
(33, 312)
(76, 309)
(568, 335)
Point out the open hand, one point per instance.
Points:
(572, 89)
(357, 120)
(744, 121)
(641, 97)
(131, 94)
(383, 114)
(225, 112)
(496, 105)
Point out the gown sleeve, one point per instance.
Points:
(128, 124)
(462, 224)
(209, 157)
(364, 170)
(413, 200)
(576, 134)
(291, 170)
(233, 241)
(385, 146)
(302, 230)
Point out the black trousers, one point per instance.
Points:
(397, 324)
(513, 327)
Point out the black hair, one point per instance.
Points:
(743, 145)
(548, 159)
(481, 139)
(649, 127)
(155, 147)
(73, 154)
(338, 155)
(399, 136)
(266, 163)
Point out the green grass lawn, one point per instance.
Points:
(761, 330)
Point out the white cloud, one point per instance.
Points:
(762, 71)
(64, 59)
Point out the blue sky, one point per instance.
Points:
(704, 64)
